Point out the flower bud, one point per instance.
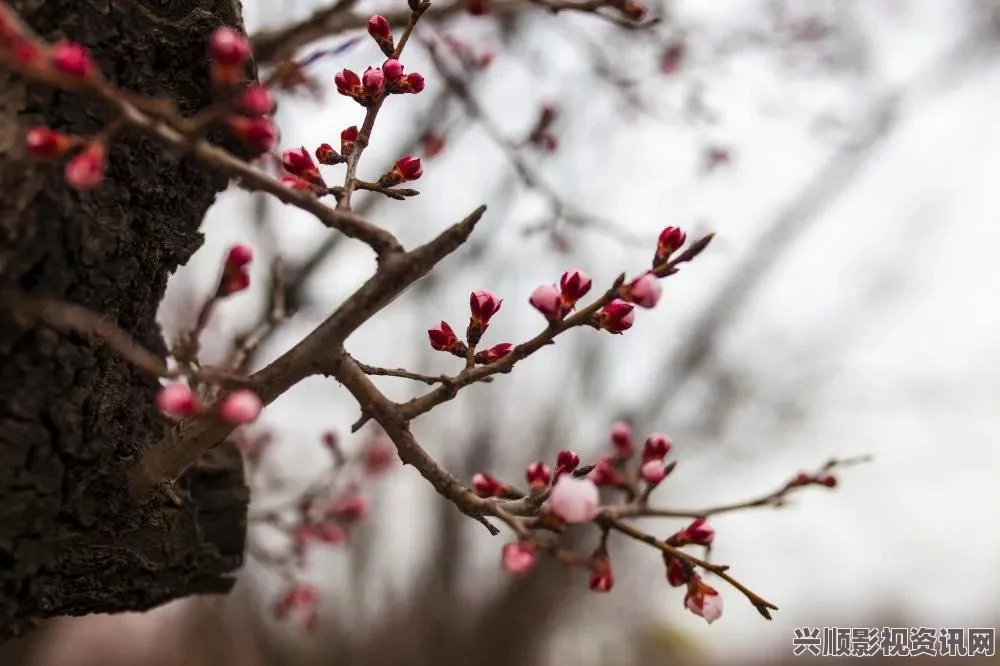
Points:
(653, 472)
(621, 439)
(485, 485)
(616, 317)
(229, 47)
(477, 7)
(259, 133)
(299, 163)
(240, 407)
(602, 577)
(406, 168)
(657, 447)
(538, 476)
(177, 401)
(377, 455)
(574, 500)
(494, 353)
(348, 83)
(574, 286)
(443, 338)
(828, 480)
(644, 291)
(566, 462)
(679, 572)
(325, 154)
(73, 59)
(703, 600)
(47, 144)
(256, 100)
(373, 80)
(547, 300)
(86, 170)
(393, 69)
(518, 558)
(604, 473)
(671, 239)
(381, 32)
(353, 507)
(347, 139)
(698, 533)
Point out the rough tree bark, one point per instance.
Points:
(73, 414)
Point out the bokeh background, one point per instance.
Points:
(845, 153)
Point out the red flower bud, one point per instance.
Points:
(698, 533)
(325, 154)
(616, 317)
(348, 83)
(604, 473)
(828, 480)
(299, 162)
(259, 133)
(485, 485)
(566, 462)
(574, 286)
(44, 143)
(621, 439)
(379, 29)
(296, 183)
(229, 47)
(238, 257)
(547, 300)
(679, 572)
(347, 139)
(177, 401)
(484, 304)
(602, 577)
(392, 69)
(494, 353)
(256, 100)
(408, 83)
(443, 338)
(406, 168)
(653, 472)
(538, 476)
(644, 291)
(657, 447)
(671, 239)
(86, 170)
(73, 60)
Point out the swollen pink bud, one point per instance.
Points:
(256, 100)
(177, 401)
(547, 300)
(239, 256)
(373, 81)
(574, 286)
(44, 143)
(518, 558)
(86, 170)
(443, 337)
(295, 183)
(240, 407)
(299, 163)
(259, 133)
(393, 69)
(653, 472)
(670, 240)
(347, 139)
(379, 28)
(678, 571)
(703, 600)
(410, 83)
(644, 291)
(73, 59)
(494, 353)
(621, 439)
(406, 168)
(574, 500)
(538, 476)
(348, 83)
(604, 473)
(483, 305)
(228, 47)
(657, 447)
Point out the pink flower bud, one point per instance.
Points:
(485, 485)
(679, 572)
(518, 559)
(299, 163)
(259, 133)
(604, 473)
(406, 168)
(703, 600)
(378, 455)
(393, 69)
(494, 353)
(698, 533)
(228, 47)
(373, 81)
(547, 300)
(566, 462)
(644, 291)
(574, 500)
(653, 472)
(379, 28)
(602, 577)
(538, 476)
(327, 155)
(256, 100)
(86, 170)
(350, 508)
(46, 144)
(616, 317)
(657, 447)
(621, 439)
(670, 240)
(484, 304)
(574, 286)
(410, 83)
(177, 401)
(240, 407)
(295, 183)
(73, 60)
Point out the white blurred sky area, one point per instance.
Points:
(875, 332)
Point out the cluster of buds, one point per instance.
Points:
(85, 170)
(369, 88)
(482, 305)
(179, 401)
(235, 271)
(555, 303)
(66, 64)
(541, 135)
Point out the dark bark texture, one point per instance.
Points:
(74, 415)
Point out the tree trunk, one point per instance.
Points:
(73, 414)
